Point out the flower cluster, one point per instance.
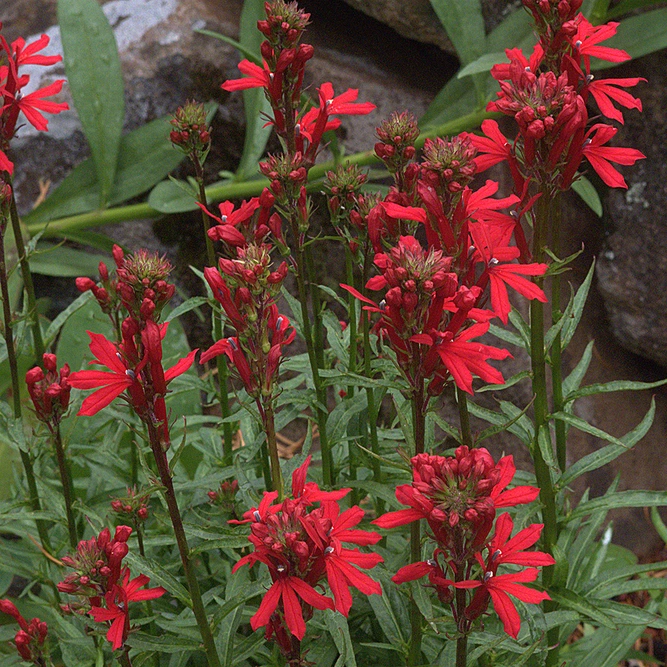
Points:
(102, 585)
(139, 293)
(31, 636)
(49, 390)
(458, 497)
(13, 101)
(301, 541)
(547, 94)
(246, 287)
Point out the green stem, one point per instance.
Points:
(42, 529)
(419, 428)
(556, 348)
(183, 548)
(538, 364)
(320, 391)
(352, 367)
(33, 315)
(464, 417)
(268, 418)
(68, 487)
(223, 192)
(221, 362)
(462, 639)
(124, 657)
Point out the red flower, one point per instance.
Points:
(502, 549)
(6, 164)
(31, 105)
(498, 588)
(27, 55)
(600, 155)
(256, 77)
(117, 606)
(229, 219)
(113, 383)
(463, 358)
(587, 38)
(606, 90)
(289, 590)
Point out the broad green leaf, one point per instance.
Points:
(96, 83)
(63, 262)
(145, 157)
(638, 35)
(257, 108)
(622, 499)
(170, 197)
(570, 326)
(627, 6)
(463, 22)
(596, 11)
(571, 600)
(482, 64)
(615, 385)
(384, 613)
(588, 194)
(456, 98)
(601, 457)
(340, 416)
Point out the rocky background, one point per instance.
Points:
(399, 58)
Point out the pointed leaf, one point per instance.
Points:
(96, 83)
(588, 194)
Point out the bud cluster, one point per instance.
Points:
(225, 496)
(31, 638)
(191, 133)
(448, 165)
(397, 135)
(133, 506)
(49, 390)
(97, 567)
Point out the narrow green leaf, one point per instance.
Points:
(601, 457)
(515, 417)
(574, 379)
(659, 524)
(247, 53)
(63, 316)
(638, 35)
(571, 600)
(185, 307)
(382, 608)
(588, 194)
(615, 385)
(96, 83)
(506, 335)
(621, 499)
(340, 633)
(256, 106)
(63, 262)
(570, 326)
(160, 577)
(583, 425)
(162, 644)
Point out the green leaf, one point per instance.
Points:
(589, 195)
(384, 613)
(482, 64)
(163, 643)
(145, 157)
(506, 426)
(63, 262)
(659, 524)
(627, 6)
(583, 425)
(96, 83)
(160, 577)
(340, 633)
(463, 22)
(571, 600)
(574, 379)
(622, 499)
(455, 99)
(250, 55)
(256, 106)
(601, 457)
(189, 304)
(570, 326)
(340, 416)
(64, 315)
(615, 385)
(638, 35)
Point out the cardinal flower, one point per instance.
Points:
(117, 602)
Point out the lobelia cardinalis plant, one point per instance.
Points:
(432, 263)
